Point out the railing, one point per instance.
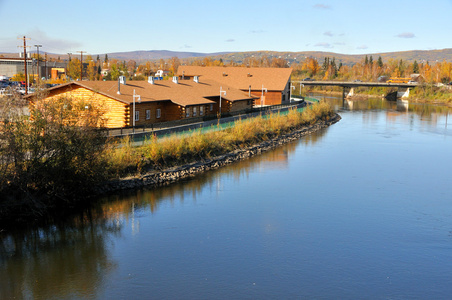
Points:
(148, 129)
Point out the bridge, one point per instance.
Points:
(403, 89)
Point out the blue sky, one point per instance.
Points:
(347, 26)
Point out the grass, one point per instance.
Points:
(124, 159)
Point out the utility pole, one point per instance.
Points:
(45, 66)
(81, 63)
(39, 76)
(25, 62)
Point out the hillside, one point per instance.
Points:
(291, 57)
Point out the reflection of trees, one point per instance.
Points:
(60, 261)
(426, 112)
(70, 260)
(126, 203)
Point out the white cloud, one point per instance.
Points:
(328, 33)
(230, 40)
(52, 44)
(406, 35)
(322, 6)
(362, 47)
(324, 45)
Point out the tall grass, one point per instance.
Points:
(176, 150)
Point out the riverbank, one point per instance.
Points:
(120, 165)
(174, 174)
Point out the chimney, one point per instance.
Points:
(196, 79)
(122, 80)
(119, 86)
(175, 79)
(151, 79)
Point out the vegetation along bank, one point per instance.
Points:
(56, 161)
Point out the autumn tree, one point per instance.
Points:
(73, 68)
(91, 71)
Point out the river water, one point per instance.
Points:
(362, 209)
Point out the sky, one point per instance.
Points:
(208, 26)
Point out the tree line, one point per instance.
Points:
(368, 69)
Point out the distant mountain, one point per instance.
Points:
(346, 59)
(292, 57)
(156, 54)
(239, 57)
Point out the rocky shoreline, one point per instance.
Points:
(168, 176)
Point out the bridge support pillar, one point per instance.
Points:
(403, 92)
(347, 92)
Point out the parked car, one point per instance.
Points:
(308, 79)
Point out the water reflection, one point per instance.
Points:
(66, 260)
(74, 260)
(432, 117)
(126, 204)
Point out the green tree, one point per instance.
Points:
(380, 62)
(415, 67)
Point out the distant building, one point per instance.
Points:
(162, 73)
(271, 85)
(158, 101)
(13, 66)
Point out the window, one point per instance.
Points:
(194, 111)
(137, 115)
(211, 107)
(158, 113)
(201, 110)
(148, 114)
(187, 112)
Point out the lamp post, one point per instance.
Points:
(138, 97)
(262, 98)
(292, 87)
(221, 91)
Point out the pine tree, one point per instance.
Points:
(366, 61)
(380, 62)
(415, 67)
(325, 65)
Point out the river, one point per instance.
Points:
(360, 210)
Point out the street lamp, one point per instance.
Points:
(221, 91)
(263, 102)
(138, 97)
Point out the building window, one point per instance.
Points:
(148, 114)
(137, 115)
(158, 113)
(201, 110)
(211, 107)
(187, 112)
(194, 111)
